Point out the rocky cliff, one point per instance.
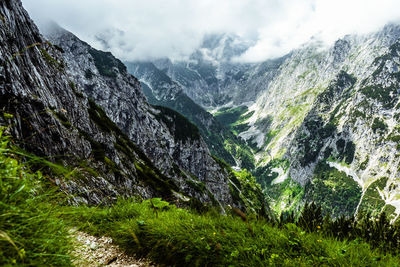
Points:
(78, 106)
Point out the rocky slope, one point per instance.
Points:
(44, 89)
(324, 111)
(321, 120)
(160, 89)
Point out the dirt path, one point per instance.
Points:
(100, 251)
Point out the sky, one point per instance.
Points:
(151, 29)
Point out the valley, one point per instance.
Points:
(205, 160)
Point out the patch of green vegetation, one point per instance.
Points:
(105, 63)
(304, 74)
(59, 65)
(250, 190)
(364, 164)
(372, 201)
(230, 116)
(385, 95)
(3, 19)
(182, 129)
(334, 190)
(160, 183)
(244, 188)
(285, 196)
(76, 92)
(346, 151)
(241, 153)
(312, 140)
(178, 237)
(265, 175)
(32, 232)
(197, 185)
(269, 137)
(378, 125)
(7, 116)
(63, 119)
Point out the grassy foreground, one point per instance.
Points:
(34, 229)
(180, 237)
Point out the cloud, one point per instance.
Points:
(142, 30)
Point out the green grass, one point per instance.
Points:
(34, 226)
(32, 232)
(174, 236)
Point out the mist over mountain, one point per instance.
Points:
(147, 30)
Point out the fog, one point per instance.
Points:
(145, 30)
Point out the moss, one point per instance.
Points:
(7, 116)
(153, 178)
(196, 185)
(394, 138)
(85, 167)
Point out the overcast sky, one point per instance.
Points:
(148, 29)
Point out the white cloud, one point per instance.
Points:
(137, 29)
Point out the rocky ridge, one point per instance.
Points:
(44, 89)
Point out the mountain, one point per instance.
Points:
(161, 90)
(208, 73)
(78, 107)
(320, 120)
(326, 111)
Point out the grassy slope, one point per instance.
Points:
(34, 229)
(180, 237)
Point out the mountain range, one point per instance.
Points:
(318, 124)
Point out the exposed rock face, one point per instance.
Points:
(45, 88)
(332, 119)
(160, 89)
(323, 118)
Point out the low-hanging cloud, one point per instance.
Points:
(143, 30)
